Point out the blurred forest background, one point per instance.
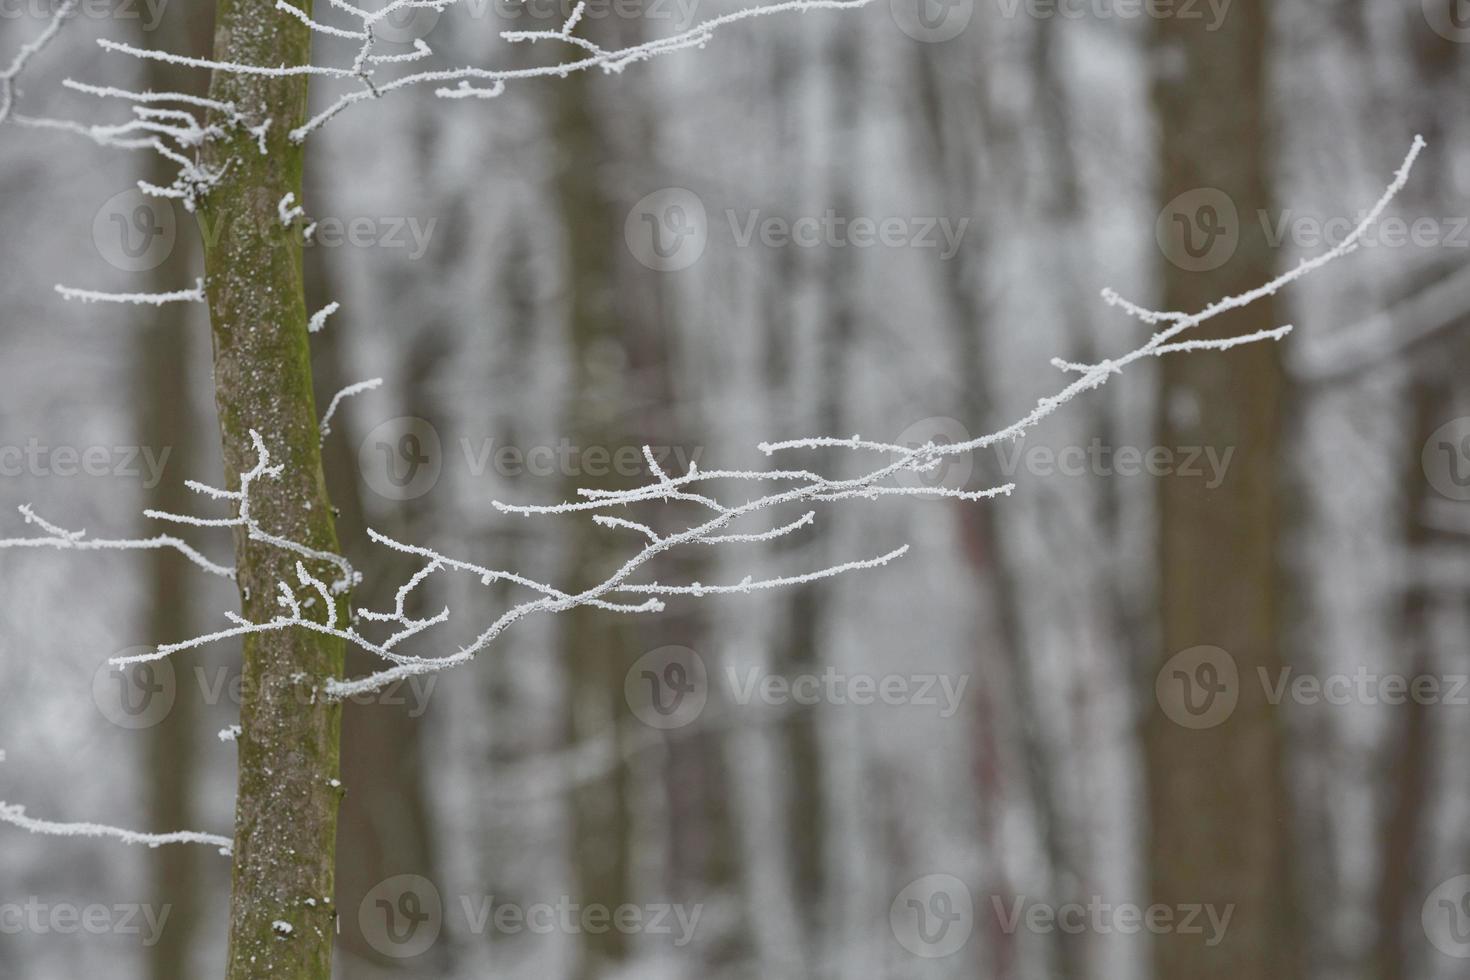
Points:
(1299, 506)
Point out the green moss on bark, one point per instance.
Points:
(286, 810)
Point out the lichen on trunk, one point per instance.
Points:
(286, 809)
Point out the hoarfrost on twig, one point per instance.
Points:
(348, 392)
(16, 816)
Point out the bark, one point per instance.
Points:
(1220, 823)
(286, 808)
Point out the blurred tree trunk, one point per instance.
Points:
(1411, 752)
(621, 396)
(166, 403)
(384, 821)
(1219, 819)
(967, 152)
(286, 806)
(598, 648)
(1434, 386)
(782, 911)
(802, 630)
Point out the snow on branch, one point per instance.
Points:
(59, 539)
(176, 134)
(150, 129)
(805, 486)
(625, 590)
(318, 320)
(11, 72)
(367, 64)
(195, 295)
(16, 816)
(345, 393)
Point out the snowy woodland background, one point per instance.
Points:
(495, 267)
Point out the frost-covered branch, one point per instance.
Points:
(308, 602)
(59, 539)
(805, 486)
(369, 67)
(345, 393)
(195, 295)
(16, 816)
(311, 603)
(11, 72)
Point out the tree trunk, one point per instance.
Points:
(282, 911)
(1220, 824)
